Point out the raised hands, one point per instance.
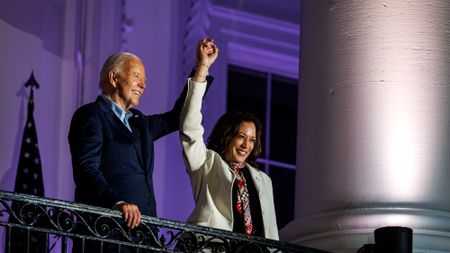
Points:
(207, 53)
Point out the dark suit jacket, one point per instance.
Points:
(112, 164)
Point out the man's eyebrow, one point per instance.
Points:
(139, 75)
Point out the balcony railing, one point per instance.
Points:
(31, 224)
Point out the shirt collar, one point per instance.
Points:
(123, 115)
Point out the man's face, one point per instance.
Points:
(130, 84)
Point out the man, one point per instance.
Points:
(112, 144)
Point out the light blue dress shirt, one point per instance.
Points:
(121, 114)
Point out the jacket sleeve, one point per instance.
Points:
(191, 129)
(85, 141)
(166, 123)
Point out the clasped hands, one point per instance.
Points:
(206, 53)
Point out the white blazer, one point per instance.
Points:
(211, 177)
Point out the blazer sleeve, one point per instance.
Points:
(191, 129)
(166, 123)
(85, 142)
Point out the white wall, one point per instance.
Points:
(36, 46)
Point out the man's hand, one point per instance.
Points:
(130, 212)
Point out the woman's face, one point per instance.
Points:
(242, 144)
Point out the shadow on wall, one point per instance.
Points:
(8, 180)
(43, 18)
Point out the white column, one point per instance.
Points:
(373, 142)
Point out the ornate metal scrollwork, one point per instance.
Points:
(82, 222)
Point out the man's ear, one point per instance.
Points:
(112, 78)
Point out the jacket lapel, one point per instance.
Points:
(262, 191)
(257, 180)
(121, 130)
(136, 120)
(113, 120)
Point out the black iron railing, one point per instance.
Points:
(31, 224)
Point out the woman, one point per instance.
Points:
(229, 191)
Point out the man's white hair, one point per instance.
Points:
(115, 63)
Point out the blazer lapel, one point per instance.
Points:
(263, 198)
(113, 120)
(257, 180)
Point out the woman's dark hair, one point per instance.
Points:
(227, 127)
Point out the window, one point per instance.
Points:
(273, 99)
